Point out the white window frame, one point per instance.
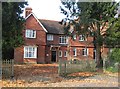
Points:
(65, 54)
(74, 37)
(49, 37)
(27, 51)
(82, 38)
(60, 53)
(63, 40)
(30, 33)
(85, 52)
(110, 50)
(74, 52)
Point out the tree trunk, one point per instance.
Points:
(98, 46)
(98, 54)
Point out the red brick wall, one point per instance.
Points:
(79, 53)
(31, 23)
(55, 39)
(40, 41)
(81, 43)
(18, 54)
(44, 52)
(48, 54)
(41, 54)
(73, 44)
(63, 49)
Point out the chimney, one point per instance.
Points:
(28, 10)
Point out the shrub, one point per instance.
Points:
(112, 69)
(115, 55)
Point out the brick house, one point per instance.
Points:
(45, 42)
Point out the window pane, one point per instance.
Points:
(65, 53)
(63, 39)
(49, 37)
(60, 53)
(74, 52)
(81, 37)
(30, 52)
(30, 33)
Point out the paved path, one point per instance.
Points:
(95, 81)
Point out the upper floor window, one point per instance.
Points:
(30, 52)
(74, 51)
(81, 38)
(85, 52)
(63, 39)
(49, 37)
(30, 34)
(74, 37)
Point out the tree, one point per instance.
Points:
(93, 17)
(112, 38)
(115, 55)
(12, 25)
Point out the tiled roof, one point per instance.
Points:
(53, 27)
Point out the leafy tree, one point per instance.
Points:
(93, 19)
(12, 25)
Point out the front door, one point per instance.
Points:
(53, 58)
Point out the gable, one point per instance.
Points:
(32, 14)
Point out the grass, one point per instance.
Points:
(112, 69)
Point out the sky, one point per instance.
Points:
(46, 9)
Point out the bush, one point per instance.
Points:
(115, 55)
(112, 69)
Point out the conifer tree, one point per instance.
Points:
(94, 17)
(12, 26)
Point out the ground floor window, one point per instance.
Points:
(74, 51)
(60, 53)
(85, 52)
(65, 54)
(30, 52)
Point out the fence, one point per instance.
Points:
(7, 68)
(70, 66)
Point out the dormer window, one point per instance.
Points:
(30, 33)
(74, 37)
(81, 38)
(50, 37)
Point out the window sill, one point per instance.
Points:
(81, 40)
(75, 55)
(85, 55)
(49, 40)
(63, 43)
(30, 37)
(30, 57)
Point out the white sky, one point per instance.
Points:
(46, 9)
